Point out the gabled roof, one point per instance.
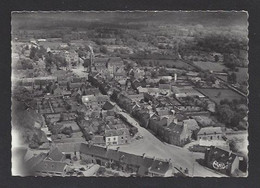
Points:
(55, 154)
(101, 61)
(159, 167)
(116, 132)
(165, 86)
(210, 130)
(98, 139)
(115, 60)
(221, 155)
(50, 166)
(35, 160)
(68, 147)
(191, 124)
(92, 98)
(176, 128)
(107, 106)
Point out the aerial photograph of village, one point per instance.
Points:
(130, 94)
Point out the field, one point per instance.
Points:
(216, 67)
(170, 63)
(242, 74)
(225, 94)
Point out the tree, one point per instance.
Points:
(219, 94)
(162, 71)
(86, 63)
(32, 52)
(154, 74)
(216, 58)
(67, 131)
(35, 141)
(103, 49)
(225, 114)
(232, 78)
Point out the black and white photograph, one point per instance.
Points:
(129, 93)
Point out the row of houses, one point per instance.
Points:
(55, 162)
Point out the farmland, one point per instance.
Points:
(224, 94)
(204, 65)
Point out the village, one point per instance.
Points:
(103, 108)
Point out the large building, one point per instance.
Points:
(210, 133)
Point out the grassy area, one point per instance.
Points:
(217, 67)
(225, 94)
(242, 75)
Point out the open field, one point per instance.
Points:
(170, 63)
(217, 67)
(225, 94)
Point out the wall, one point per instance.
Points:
(112, 140)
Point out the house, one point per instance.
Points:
(117, 136)
(55, 155)
(119, 75)
(92, 101)
(191, 124)
(47, 164)
(187, 91)
(158, 168)
(98, 140)
(115, 65)
(139, 73)
(136, 97)
(50, 168)
(165, 87)
(107, 106)
(68, 124)
(70, 150)
(221, 160)
(179, 134)
(71, 57)
(100, 64)
(210, 133)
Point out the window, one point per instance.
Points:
(108, 139)
(211, 138)
(122, 137)
(114, 138)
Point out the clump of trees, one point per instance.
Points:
(230, 112)
(232, 78)
(36, 53)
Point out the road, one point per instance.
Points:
(153, 147)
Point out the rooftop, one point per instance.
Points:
(210, 130)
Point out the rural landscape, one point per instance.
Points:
(130, 94)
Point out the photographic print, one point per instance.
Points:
(130, 93)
